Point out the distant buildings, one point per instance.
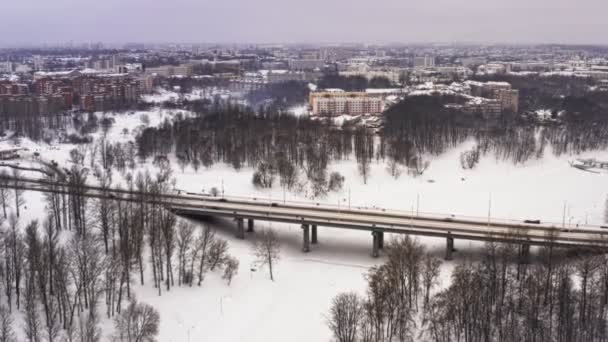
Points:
(305, 64)
(280, 76)
(335, 103)
(393, 76)
(424, 62)
(38, 63)
(170, 70)
(107, 63)
(89, 90)
(6, 67)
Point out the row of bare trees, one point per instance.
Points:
(397, 291)
(559, 297)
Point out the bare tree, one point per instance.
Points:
(345, 316)
(18, 194)
(185, 237)
(137, 323)
(7, 333)
(267, 250)
(203, 244)
(16, 255)
(430, 275)
(32, 323)
(5, 193)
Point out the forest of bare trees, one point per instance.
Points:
(80, 261)
(560, 296)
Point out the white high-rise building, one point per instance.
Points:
(424, 62)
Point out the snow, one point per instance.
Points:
(291, 308)
(299, 111)
(384, 91)
(162, 95)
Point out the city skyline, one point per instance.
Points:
(274, 21)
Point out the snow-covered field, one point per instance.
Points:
(292, 308)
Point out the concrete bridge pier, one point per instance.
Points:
(250, 226)
(375, 243)
(240, 229)
(314, 240)
(449, 248)
(305, 238)
(524, 253)
(381, 240)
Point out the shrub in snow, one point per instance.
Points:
(469, 159)
(336, 181)
(264, 176)
(232, 267)
(79, 139)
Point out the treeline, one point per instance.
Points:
(84, 257)
(299, 149)
(571, 94)
(43, 126)
(284, 145)
(500, 298)
(188, 84)
(422, 125)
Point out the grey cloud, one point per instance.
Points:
(524, 21)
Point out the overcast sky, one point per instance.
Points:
(270, 21)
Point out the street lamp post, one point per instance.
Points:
(348, 198)
(564, 216)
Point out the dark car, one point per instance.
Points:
(274, 204)
(532, 221)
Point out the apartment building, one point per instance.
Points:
(500, 91)
(335, 103)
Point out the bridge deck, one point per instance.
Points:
(319, 215)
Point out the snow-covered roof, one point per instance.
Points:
(65, 73)
(383, 91)
(89, 71)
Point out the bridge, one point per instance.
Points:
(312, 216)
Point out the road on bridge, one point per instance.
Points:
(316, 215)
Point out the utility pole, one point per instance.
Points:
(489, 208)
